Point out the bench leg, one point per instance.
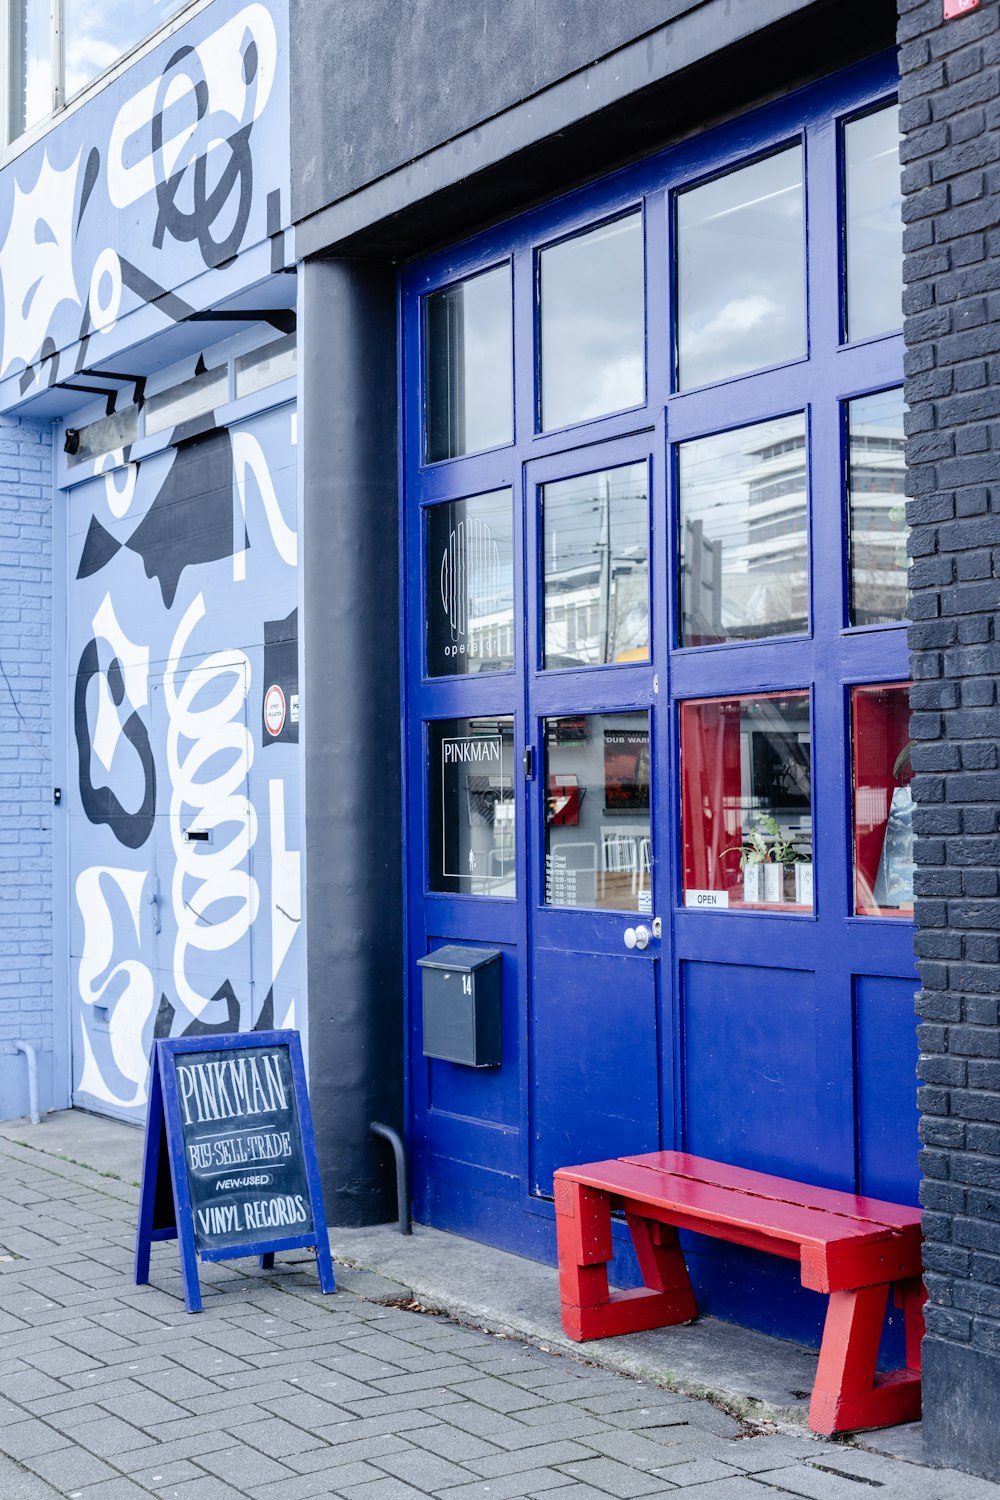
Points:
(848, 1393)
(590, 1310)
(661, 1262)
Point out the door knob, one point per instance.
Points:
(637, 937)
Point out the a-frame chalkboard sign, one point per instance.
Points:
(229, 1167)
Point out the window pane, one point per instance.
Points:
(883, 804)
(30, 64)
(471, 801)
(597, 833)
(744, 548)
(469, 366)
(265, 366)
(596, 569)
(96, 35)
(189, 398)
(741, 271)
(877, 508)
(592, 324)
(470, 585)
(746, 787)
(874, 224)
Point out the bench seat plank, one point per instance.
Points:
(762, 1184)
(836, 1251)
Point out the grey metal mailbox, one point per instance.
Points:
(461, 1005)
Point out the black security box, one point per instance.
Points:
(461, 994)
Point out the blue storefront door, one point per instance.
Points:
(595, 840)
(655, 696)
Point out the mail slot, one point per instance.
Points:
(461, 1005)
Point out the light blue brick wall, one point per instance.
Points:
(26, 808)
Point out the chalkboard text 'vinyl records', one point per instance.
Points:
(230, 1161)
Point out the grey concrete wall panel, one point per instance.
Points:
(412, 76)
(350, 723)
(705, 61)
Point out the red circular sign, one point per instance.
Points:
(274, 710)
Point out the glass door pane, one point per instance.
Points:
(598, 845)
(595, 571)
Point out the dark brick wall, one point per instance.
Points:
(950, 118)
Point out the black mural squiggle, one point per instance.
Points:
(98, 549)
(90, 175)
(166, 1014)
(99, 802)
(191, 519)
(197, 222)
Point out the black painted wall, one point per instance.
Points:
(434, 68)
(950, 113)
(350, 723)
(417, 121)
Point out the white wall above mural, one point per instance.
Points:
(175, 168)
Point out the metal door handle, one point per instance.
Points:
(637, 937)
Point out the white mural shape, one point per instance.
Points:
(248, 456)
(36, 260)
(209, 754)
(203, 95)
(122, 988)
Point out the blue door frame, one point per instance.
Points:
(780, 1041)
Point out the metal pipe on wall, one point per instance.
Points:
(32, 1060)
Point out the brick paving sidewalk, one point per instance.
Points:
(110, 1391)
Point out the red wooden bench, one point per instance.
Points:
(852, 1248)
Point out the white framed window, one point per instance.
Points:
(58, 47)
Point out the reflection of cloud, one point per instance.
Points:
(596, 366)
(36, 260)
(739, 315)
(100, 31)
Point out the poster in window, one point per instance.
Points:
(626, 770)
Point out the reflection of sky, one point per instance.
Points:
(874, 224)
(470, 366)
(99, 31)
(741, 271)
(488, 361)
(592, 324)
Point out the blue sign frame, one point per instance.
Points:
(161, 1218)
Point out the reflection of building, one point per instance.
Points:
(878, 523)
(745, 559)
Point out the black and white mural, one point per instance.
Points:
(185, 813)
(176, 169)
(154, 202)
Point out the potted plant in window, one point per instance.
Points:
(755, 855)
(765, 855)
(788, 858)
